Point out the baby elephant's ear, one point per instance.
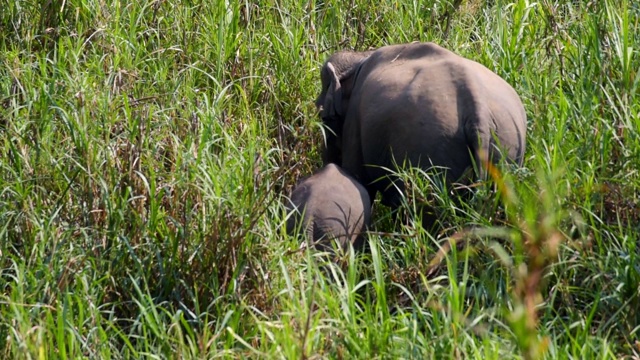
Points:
(333, 99)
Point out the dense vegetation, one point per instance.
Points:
(145, 147)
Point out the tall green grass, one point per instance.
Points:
(145, 149)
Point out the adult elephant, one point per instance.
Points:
(416, 104)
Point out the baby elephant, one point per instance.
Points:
(331, 206)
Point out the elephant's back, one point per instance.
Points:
(411, 51)
(333, 203)
(334, 189)
(417, 64)
(418, 100)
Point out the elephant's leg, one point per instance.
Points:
(373, 192)
(352, 158)
(429, 218)
(393, 192)
(392, 196)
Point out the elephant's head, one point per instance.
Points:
(338, 77)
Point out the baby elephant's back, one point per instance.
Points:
(331, 205)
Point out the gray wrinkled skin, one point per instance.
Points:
(419, 103)
(330, 205)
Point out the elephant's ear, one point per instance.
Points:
(333, 99)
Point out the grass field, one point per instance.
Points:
(145, 148)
